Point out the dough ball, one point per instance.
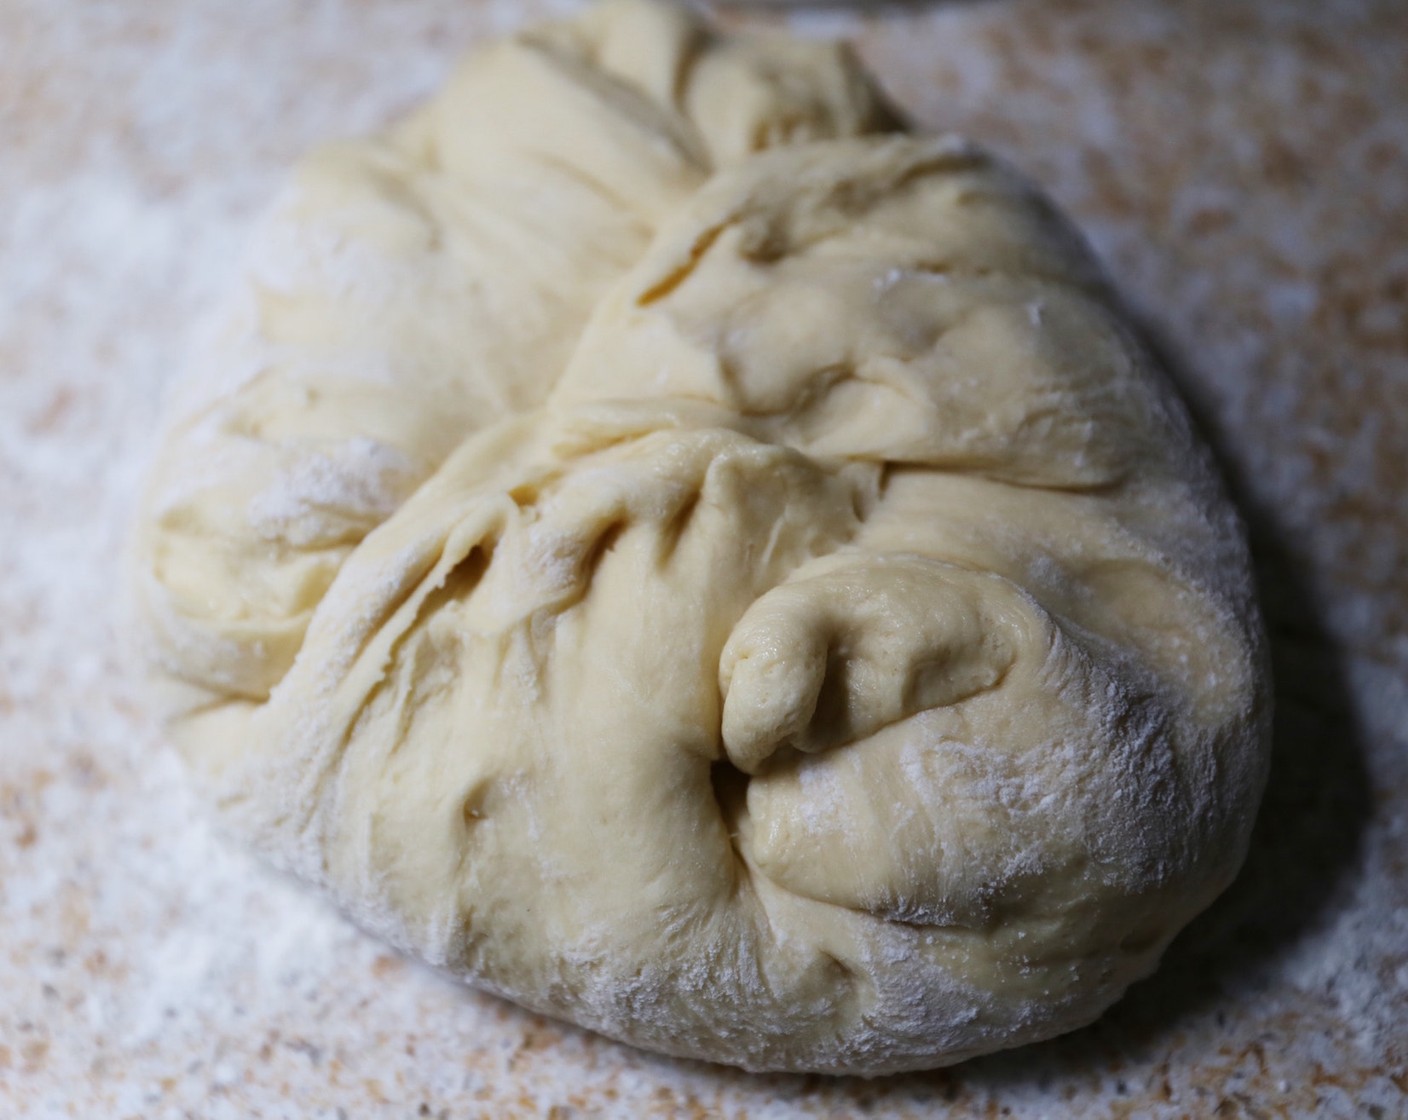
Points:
(659, 542)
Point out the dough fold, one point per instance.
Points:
(660, 543)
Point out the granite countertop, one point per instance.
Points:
(1242, 165)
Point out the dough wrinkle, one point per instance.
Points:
(663, 543)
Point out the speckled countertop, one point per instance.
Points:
(1243, 167)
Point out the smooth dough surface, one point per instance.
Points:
(655, 539)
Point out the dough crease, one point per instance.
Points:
(655, 539)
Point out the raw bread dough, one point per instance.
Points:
(657, 541)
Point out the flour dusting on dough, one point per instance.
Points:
(667, 546)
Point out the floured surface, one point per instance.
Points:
(139, 984)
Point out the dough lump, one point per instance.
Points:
(662, 543)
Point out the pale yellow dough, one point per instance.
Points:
(657, 541)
